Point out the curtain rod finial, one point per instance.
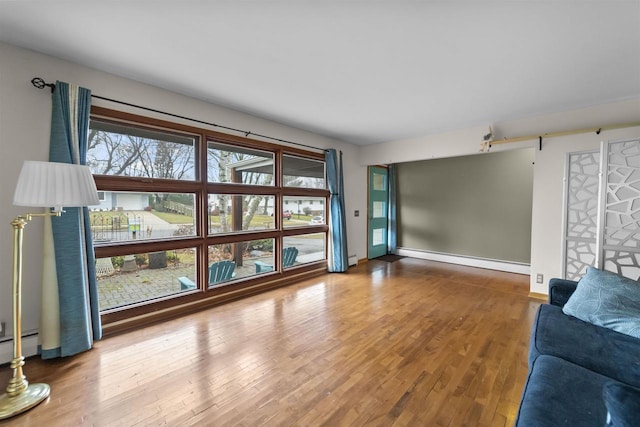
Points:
(41, 84)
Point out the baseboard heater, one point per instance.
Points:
(353, 260)
(29, 347)
(491, 264)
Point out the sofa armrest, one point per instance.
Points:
(560, 290)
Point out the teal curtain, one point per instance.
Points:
(338, 256)
(74, 261)
(392, 243)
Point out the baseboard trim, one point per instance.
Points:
(537, 295)
(29, 347)
(490, 264)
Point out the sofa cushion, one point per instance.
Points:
(599, 349)
(607, 299)
(559, 393)
(623, 405)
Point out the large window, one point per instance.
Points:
(186, 214)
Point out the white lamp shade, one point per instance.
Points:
(55, 185)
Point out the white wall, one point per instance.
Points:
(25, 114)
(455, 143)
(546, 227)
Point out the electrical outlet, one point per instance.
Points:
(539, 278)
(2, 331)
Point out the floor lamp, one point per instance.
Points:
(44, 185)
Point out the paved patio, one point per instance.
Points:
(125, 288)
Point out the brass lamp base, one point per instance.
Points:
(34, 394)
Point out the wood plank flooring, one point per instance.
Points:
(408, 343)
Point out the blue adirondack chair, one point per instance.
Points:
(220, 271)
(289, 256)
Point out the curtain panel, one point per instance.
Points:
(338, 257)
(70, 318)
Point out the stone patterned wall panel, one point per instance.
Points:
(581, 202)
(579, 256)
(621, 214)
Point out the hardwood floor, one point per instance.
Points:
(408, 343)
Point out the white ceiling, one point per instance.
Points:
(362, 71)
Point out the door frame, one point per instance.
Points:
(370, 170)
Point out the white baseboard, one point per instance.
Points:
(490, 264)
(29, 348)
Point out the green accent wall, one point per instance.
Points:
(478, 206)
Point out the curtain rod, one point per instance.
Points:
(41, 84)
(539, 137)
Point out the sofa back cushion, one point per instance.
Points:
(598, 349)
(608, 300)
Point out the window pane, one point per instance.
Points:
(300, 211)
(124, 216)
(230, 164)
(378, 236)
(311, 247)
(132, 279)
(379, 182)
(232, 261)
(379, 210)
(240, 212)
(299, 172)
(124, 150)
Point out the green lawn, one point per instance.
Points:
(173, 218)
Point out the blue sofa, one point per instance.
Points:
(577, 370)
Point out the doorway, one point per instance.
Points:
(378, 217)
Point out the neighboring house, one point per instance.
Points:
(114, 201)
(294, 206)
(315, 206)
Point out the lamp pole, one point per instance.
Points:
(20, 396)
